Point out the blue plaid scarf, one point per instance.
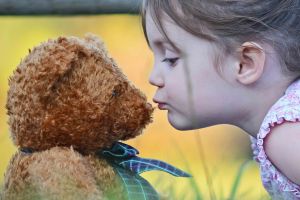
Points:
(128, 166)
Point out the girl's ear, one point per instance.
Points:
(251, 63)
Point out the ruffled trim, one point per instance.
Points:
(269, 172)
(294, 86)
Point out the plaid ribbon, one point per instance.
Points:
(125, 162)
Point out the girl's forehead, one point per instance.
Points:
(154, 32)
(162, 30)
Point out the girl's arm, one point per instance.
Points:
(282, 147)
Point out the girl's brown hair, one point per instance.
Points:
(229, 23)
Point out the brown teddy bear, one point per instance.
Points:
(69, 106)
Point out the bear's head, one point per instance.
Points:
(70, 92)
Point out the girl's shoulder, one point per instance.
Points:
(286, 109)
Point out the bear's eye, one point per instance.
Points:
(114, 93)
(117, 91)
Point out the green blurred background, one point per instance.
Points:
(226, 147)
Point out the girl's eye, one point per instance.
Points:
(170, 61)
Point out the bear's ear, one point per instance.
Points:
(57, 58)
(95, 40)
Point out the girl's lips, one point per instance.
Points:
(162, 106)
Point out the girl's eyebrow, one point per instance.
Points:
(159, 43)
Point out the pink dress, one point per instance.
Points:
(287, 108)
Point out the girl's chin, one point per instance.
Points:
(179, 123)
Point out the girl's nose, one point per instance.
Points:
(156, 78)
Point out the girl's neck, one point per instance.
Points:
(258, 106)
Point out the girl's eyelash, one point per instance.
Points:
(170, 60)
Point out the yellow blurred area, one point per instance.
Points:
(226, 147)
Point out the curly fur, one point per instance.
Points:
(66, 100)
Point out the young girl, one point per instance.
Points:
(233, 62)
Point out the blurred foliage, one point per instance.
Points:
(226, 147)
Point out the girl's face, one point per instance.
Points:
(207, 101)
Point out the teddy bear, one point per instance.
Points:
(69, 108)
